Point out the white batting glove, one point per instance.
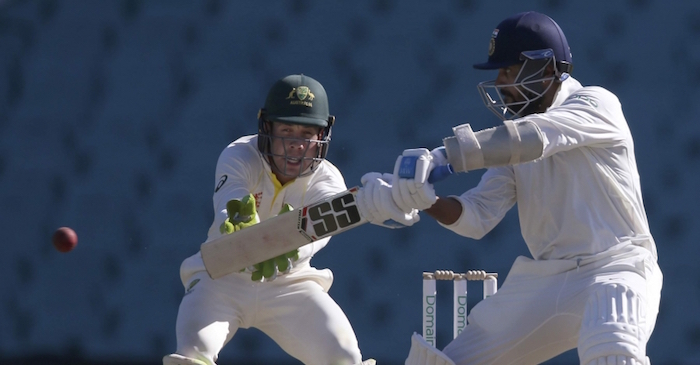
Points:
(376, 204)
(411, 188)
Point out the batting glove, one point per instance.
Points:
(411, 189)
(269, 269)
(376, 204)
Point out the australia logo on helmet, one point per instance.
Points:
(492, 42)
(301, 95)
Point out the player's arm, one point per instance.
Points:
(445, 210)
(512, 143)
(591, 117)
(233, 181)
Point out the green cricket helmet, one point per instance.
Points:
(295, 99)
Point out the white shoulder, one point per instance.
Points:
(331, 170)
(328, 178)
(245, 148)
(594, 96)
(241, 160)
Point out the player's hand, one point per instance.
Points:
(376, 204)
(269, 269)
(411, 189)
(241, 214)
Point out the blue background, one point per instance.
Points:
(113, 113)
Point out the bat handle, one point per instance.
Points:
(440, 173)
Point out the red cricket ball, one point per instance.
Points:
(65, 239)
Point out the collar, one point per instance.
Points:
(568, 87)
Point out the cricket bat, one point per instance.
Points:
(286, 232)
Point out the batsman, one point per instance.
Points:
(565, 155)
(258, 177)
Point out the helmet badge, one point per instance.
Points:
(301, 95)
(492, 42)
(303, 92)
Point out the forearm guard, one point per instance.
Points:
(509, 144)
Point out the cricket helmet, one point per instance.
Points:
(535, 41)
(296, 99)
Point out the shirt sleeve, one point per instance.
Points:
(590, 117)
(235, 178)
(485, 205)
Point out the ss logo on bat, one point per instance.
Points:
(334, 215)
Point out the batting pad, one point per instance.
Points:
(423, 354)
(175, 359)
(612, 330)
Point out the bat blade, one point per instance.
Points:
(286, 232)
(281, 234)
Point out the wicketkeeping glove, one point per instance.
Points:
(269, 269)
(241, 214)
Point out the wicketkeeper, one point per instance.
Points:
(258, 177)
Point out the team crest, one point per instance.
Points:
(301, 95)
(492, 42)
(303, 92)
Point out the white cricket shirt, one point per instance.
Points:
(241, 170)
(582, 196)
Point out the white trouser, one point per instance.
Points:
(294, 310)
(538, 312)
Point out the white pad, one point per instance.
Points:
(612, 327)
(175, 359)
(618, 360)
(368, 362)
(422, 353)
(463, 150)
(509, 144)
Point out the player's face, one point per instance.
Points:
(293, 148)
(507, 76)
(519, 95)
